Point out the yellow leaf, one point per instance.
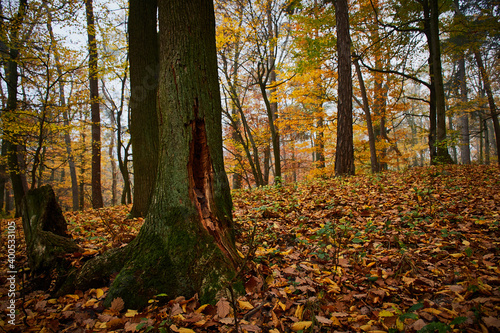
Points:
(399, 325)
(465, 242)
(456, 255)
(301, 325)
(52, 301)
(299, 311)
(282, 306)
(201, 308)
(131, 313)
(100, 325)
(245, 305)
(99, 293)
(185, 330)
(336, 321)
(90, 302)
(75, 297)
(433, 311)
(274, 331)
(385, 313)
(365, 327)
(66, 308)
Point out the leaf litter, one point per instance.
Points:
(392, 252)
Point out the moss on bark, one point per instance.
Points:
(182, 260)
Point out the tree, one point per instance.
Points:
(97, 201)
(366, 108)
(14, 148)
(443, 155)
(344, 156)
(143, 56)
(186, 245)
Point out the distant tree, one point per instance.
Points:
(344, 156)
(97, 200)
(143, 57)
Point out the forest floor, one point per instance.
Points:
(394, 252)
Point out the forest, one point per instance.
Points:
(249, 166)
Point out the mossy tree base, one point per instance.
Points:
(180, 260)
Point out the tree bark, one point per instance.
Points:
(464, 118)
(442, 155)
(186, 245)
(97, 201)
(366, 109)
(15, 149)
(143, 55)
(344, 155)
(272, 106)
(491, 100)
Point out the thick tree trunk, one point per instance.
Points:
(143, 56)
(186, 244)
(97, 201)
(344, 156)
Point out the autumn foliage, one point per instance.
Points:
(400, 251)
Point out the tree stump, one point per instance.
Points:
(46, 234)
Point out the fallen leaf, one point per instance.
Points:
(301, 325)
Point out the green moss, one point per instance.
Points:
(178, 259)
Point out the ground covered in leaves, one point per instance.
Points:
(394, 252)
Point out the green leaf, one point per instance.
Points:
(415, 307)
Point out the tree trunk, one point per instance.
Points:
(186, 245)
(273, 106)
(344, 156)
(97, 201)
(491, 100)
(366, 109)
(65, 112)
(15, 149)
(143, 55)
(443, 155)
(464, 118)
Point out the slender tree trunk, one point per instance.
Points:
(344, 156)
(97, 201)
(366, 109)
(65, 111)
(143, 55)
(273, 106)
(464, 118)
(491, 100)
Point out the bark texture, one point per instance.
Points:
(144, 66)
(97, 201)
(344, 156)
